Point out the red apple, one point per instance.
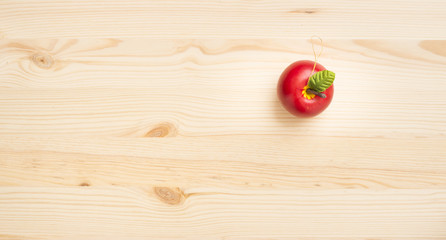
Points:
(295, 93)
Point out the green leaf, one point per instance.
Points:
(322, 80)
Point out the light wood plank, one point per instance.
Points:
(218, 213)
(99, 87)
(223, 19)
(239, 162)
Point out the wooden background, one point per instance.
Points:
(159, 120)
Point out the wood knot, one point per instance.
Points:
(84, 184)
(168, 195)
(42, 60)
(162, 130)
(305, 11)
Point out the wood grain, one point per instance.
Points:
(223, 19)
(241, 162)
(159, 120)
(217, 87)
(214, 213)
(191, 136)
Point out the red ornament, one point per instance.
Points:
(301, 96)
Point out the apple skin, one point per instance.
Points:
(291, 84)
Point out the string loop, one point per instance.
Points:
(316, 57)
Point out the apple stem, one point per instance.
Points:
(311, 91)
